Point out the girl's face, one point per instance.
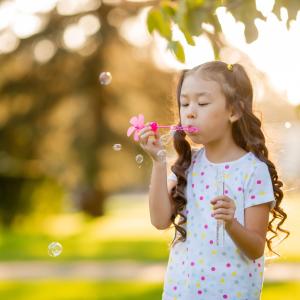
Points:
(202, 104)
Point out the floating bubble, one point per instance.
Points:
(55, 249)
(105, 78)
(165, 139)
(139, 159)
(117, 147)
(162, 154)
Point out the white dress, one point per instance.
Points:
(204, 266)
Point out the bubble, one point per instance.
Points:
(105, 78)
(139, 159)
(117, 147)
(55, 249)
(162, 154)
(165, 139)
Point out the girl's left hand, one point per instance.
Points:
(223, 209)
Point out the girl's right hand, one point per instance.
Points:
(150, 146)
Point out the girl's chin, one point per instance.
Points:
(195, 138)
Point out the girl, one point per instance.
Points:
(218, 249)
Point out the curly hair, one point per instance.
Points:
(246, 131)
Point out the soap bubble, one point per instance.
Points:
(105, 78)
(117, 147)
(139, 159)
(55, 249)
(162, 154)
(165, 139)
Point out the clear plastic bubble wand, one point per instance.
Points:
(220, 223)
(137, 123)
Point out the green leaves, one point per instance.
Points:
(159, 20)
(177, 49)
(293, 6)
(189, 15)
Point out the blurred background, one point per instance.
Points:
(72, 74)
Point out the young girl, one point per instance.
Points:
(221, 192)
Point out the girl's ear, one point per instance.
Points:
(236, 113)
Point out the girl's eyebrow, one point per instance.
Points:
(198, 94)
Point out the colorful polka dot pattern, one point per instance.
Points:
(199, 268)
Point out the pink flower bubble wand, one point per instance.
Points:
(137, 123)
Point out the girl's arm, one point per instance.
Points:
(160, 205)
(251, 238)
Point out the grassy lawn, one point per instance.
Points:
(124, 233)
(89, 290)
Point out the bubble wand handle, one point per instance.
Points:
(221, 225)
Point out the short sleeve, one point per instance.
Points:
(172, 176)
(259, 188)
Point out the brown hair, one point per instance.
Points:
(247, 133)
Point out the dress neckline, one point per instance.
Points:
(226, 162)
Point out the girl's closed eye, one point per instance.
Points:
(201, 104)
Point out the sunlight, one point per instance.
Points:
(44, 50)
(72, 7)
(25, 25)
(33, 6)
(8, 42)
(74, 37)
(274, 54)
(90, 24)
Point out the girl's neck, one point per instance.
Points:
(223, 151)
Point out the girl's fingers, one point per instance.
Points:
(223, 217)
(222, 204)
(145, 135)
(222, 201)
(221, 197)
(142, 131)
(216, 199)
(221, 211)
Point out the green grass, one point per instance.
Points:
(111, 290)
(35, 247)
(281, 290)
(79, 290)
(125, 232)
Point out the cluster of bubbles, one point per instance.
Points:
(161, 154)
(105, 78)
(55, 249)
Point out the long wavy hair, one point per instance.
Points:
(246, 131)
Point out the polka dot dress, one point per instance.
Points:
(199, 268)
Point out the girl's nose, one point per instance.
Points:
(191, 115)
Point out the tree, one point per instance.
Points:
(57, 121)
(189, 16)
